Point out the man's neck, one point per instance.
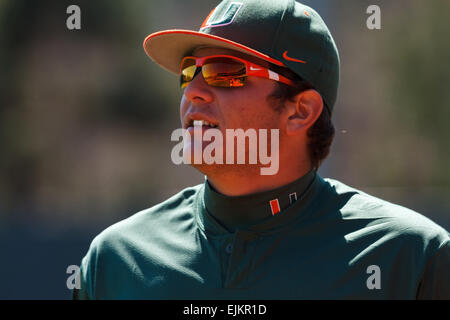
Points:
(237, 183)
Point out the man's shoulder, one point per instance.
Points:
(377, 213)
(152, 221)
(113, 252)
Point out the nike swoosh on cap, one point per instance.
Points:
(292, 59)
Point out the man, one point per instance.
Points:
(289, 234)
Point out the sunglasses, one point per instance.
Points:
(225, 71)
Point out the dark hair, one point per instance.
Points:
(321, 133)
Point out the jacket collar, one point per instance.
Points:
(259, 212)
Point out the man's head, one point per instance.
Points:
(296, 110)
(284, 36)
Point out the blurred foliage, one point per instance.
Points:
(393, 102)
(419, 51)
(86, 117)
(59, 89)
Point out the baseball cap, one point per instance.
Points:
(283, 32)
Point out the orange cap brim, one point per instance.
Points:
(167, 48)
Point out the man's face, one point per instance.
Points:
(229, 108)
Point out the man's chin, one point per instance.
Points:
(226, 170)
(209, 169)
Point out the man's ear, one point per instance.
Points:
(302, 111)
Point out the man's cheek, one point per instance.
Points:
(183, 108)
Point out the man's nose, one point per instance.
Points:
(198, 91)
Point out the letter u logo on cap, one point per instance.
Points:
(213, 20)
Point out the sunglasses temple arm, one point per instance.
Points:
(278, 77)
(269, 74)
(285, 80)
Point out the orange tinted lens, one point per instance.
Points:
(224, 72)
(187, 71)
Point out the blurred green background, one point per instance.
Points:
(86, 118)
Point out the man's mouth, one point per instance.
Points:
(200, 123)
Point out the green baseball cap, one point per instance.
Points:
(283, 32)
